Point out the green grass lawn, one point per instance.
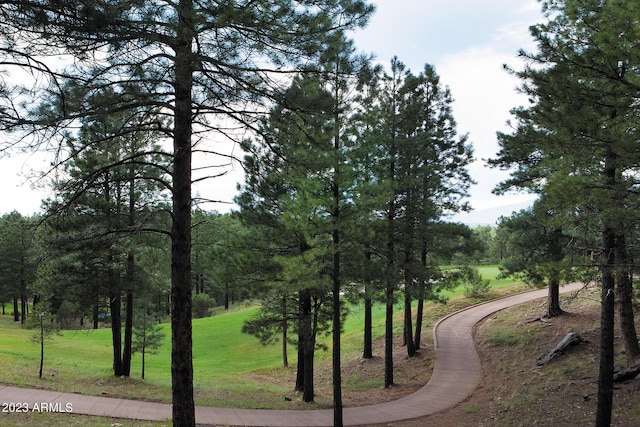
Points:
(81, 360)
(488, 272)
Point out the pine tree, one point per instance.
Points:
(539, 250)
(147, 336)
(112, 194)
(199, 64)
(305, 134)
(274, 175)
(575, 141)
(45, 325)
(412, 173)
(18, 260)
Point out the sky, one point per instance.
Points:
(467, 41)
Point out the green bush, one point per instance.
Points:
(477, 287)
(202, 304)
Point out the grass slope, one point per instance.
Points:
(81, 361)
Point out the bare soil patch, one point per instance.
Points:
(514, 391)
(362, 379)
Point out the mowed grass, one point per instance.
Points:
(491, 273)
(80, 361)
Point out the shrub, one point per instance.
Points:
(477, 287)
(202, 304)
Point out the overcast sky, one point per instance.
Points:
(468, 41)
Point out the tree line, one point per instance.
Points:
(351, 180)
(344, 198)
(184, 69)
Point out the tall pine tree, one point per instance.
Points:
(575, 142)
(199, 64)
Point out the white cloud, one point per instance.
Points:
(484, 94)
(20, 189)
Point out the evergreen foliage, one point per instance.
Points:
(412, 174)
(45, 325)
(193, 67)
(350, 184)
(19, 259)
(477, 287)
(575, 143)
(147, 336)
(110, 196)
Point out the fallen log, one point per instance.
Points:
(571, 339)
(627, 374)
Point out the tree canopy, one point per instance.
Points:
(575, 142)
(195, 69)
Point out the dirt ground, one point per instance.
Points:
(514, 391)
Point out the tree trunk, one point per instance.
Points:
(143, 353)
(408, 326)
(390, 279)
(368, 336)
(390, 287)
(130, 274)
(557, 254)
(285, 358)
(285, 326)
(337, 329)
(627, 319)
(421, 293)
(23, 307)
(116, 332)
(627, 374)
(16, 310)
(419, 313)
(181, 310)
(335, 271)
(95, 316)
(308, 392)
(625, 301)
(128, 336)
(607, 314)
(41, 346)
(553, 297)
(388, 339)
(570, 339)
(367, 352)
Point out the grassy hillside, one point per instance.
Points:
(81, 360)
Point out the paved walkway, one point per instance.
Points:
(456, 373)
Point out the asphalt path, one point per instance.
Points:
(456, 373)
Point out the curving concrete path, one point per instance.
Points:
(456, 373)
